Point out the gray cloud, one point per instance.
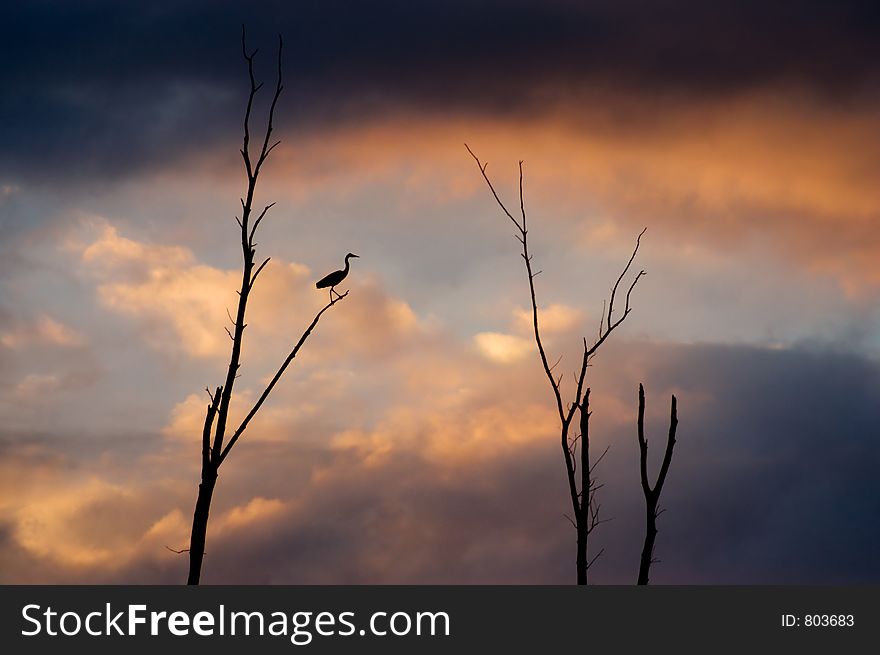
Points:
(773, 482)
(100, 89)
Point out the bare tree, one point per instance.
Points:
(585, 506)
(213, 455)
(652, 496)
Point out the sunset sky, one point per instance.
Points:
(415, 439)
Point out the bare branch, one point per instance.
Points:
(629, 293)
(482, 168)
(597, 556)
(643, 444)
(218, 411)
(209, 422)
(670, 446)
(599, 459)
(586, 469)
(264, 152)
(652, 496)
(585, 512)
(273, 146)
(260, 268)
(178, 552)
(570, 468)
(245, 150)
(246, 241)
(299, 344)
(259, 218)
(622, 275)
(554, 383)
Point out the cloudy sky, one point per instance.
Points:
(415, 441)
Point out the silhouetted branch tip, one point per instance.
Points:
(652, 495)
(260, 268)
(620, 279)
(178, 552)
(256, 407)
(600, 458)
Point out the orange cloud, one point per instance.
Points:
(45, 330)
(182, 304)
(793, 174)
(67, 525)
(502, 348)
(555, 318)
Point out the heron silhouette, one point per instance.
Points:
(335, 278)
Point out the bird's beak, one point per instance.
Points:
(353, 255)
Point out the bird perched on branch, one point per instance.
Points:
(335, 278)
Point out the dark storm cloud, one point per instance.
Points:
(776, 475)
(102, 88)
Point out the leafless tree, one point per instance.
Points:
(214, 454)
(585, 507)
(652, 496)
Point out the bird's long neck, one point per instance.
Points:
(346, 264)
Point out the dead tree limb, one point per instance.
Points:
(584, 505)
(652, 496)
(217, 415)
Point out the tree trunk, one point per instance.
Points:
(652, 496)
(582, 555)
(650, 536)
(200, 524)
(583, 516)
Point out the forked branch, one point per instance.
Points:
(652, 495)
(584, 506)
(299, 344)
(217, 414)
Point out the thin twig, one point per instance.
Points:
(178, 552)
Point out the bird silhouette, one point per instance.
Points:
(335, 278)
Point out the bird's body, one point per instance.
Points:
(335, 277)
